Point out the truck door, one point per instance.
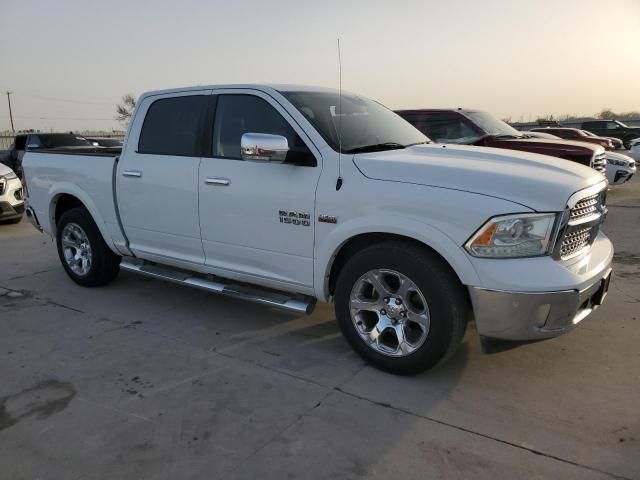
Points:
(257, 217)
(157, 178)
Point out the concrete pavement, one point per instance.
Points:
(147, 380)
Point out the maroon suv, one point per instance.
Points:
(577, 135)
(475, 127)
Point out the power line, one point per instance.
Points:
(64, 118)
(64, 100)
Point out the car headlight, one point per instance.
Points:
(615, 161)
(9, 176)
(512, 236)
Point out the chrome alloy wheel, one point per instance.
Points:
(389, 312)
(76, 248)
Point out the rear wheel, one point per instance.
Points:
(83, 252)
(401, 307)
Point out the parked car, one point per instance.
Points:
(612, 128)
(11, 196)
(475, 127)
(547, 136)
(105, 142)
(634, 151)
(617, 143)
(620, 168)
(576, 135)
(310, 196)
(28, 141)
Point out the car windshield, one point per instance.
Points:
(492, 125)
(364, 125)
(63, 140)
(621, 124)
(588, 133)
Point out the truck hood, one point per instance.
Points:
(539, 182)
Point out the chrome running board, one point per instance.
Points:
(298, 304)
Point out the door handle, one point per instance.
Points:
(223, 182)
(132, 173)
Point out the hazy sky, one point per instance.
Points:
(517, 58)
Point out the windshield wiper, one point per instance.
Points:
(417, 143)
(376, 147)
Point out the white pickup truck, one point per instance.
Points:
(290, 195)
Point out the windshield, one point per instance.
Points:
(365, 125)
(492, 125)
(621, 124)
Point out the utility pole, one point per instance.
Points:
(10, 113)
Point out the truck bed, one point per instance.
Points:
(85, 173)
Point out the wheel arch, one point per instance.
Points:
(335, 257)
(66, 197)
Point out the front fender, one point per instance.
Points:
(330, 245)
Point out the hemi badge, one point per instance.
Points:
(327, 219)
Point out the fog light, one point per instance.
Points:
(542, 313)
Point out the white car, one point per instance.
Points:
(634, 151)
(308, 195)
(620, 168)
(11, 196)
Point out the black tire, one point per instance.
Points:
(447, 301)
(105, 264)
(627, 141)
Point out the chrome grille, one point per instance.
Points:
(575, 241)
(585, 207)
(3, 184)
(581, 225)
(600, 162)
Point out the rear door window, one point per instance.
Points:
(173, 126)
(20, 142)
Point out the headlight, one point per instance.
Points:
(620, 163)
(512, 236)
(9, 176)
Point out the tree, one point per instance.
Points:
(125, 109)
(606, 114)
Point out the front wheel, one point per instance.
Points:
(627, 141)
(83, 252)
(401, 307)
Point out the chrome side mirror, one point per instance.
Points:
(264, 147)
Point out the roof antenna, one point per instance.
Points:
(339, 180)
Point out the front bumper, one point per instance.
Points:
(532, 315)
(9, 211)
